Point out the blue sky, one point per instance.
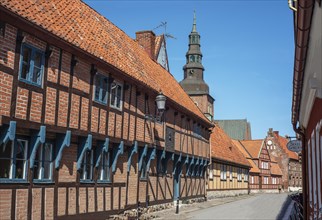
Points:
(247, 47)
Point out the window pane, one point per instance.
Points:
(119, 96)
(113, 94)
(5, 159)
(21, 157)
(26, 53)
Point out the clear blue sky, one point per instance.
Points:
(247, 47)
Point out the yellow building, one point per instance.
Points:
(229, 168)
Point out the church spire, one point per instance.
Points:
(193, 82)
(194, 28)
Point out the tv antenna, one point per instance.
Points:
(164, 25)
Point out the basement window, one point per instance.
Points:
(13, 160)
(31, 65)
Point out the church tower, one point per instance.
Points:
(193, 82)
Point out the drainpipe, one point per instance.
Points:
(290, 5)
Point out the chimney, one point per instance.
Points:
(147, 40)
(276, 133)
(270, 132)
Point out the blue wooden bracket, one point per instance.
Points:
(190, 165)
(36, 140)
(85, 145)
(166, 159)
(133, 150)
(204, 167)
(177, 159)
(161, 157)
(143, 156)
(200, 167)
(182, 164)
(8, 133)
(194, 167)
(151, 156)
(116, 154)
(101, 148)
(62, 142)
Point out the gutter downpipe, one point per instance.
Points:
(303, 15)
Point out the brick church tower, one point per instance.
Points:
(193, 82)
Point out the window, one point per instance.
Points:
(31, 64)
(116, 95)
(264, 165)
(211, 173)
(13, 160)
(86, 172)
(239, 174)
(144, 171)
(231, 173)
(252, 180)
(43, 162)
(223, 172)
(105, 167)
(265, 180)
(274, 180)
(246, 175)
(100, 94)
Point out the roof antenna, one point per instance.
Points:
(164, 25)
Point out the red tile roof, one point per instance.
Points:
(80, 25)
(283, 144)
(223, 148)
(254, 168)
(253, 147)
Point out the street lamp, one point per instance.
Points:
(160, 100)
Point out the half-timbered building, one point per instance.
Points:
(270, 176)
(229, 168)
(81, 135)
(254, 172)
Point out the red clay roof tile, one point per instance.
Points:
(254, 168)
(253, 147)
(78, 24)
(222, 147)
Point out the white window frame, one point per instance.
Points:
(114, 99)
(246, 173)
(265, 180)
(223, 172)
(105, 167)
(102, 79)
(84, 173)
(239, 174)
(13, 160)
(231, 173)
(41, 172)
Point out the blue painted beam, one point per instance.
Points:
(102, 147)
(63, 140)
(161, 157)
(168, 156)
(133, 150)
(36, 140)
(116, 154)
(177, 159)
(204, 167)
(85, 145)
(194, 167)
(151, 156)
(200, 167)
(189, 172)
(143, 156)
(8, 133)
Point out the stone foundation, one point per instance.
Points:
(227, 193)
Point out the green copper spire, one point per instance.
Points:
(194, 25)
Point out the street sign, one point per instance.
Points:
(294, 145)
